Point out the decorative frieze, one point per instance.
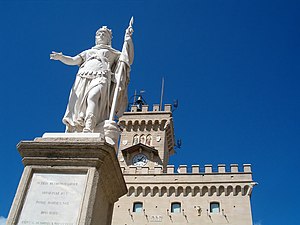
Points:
(144, 124)
(189, 190)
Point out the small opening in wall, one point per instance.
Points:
(137, 207)
(176, 207)
(214, 207)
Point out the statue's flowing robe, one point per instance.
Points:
(97, 71)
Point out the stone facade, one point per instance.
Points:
(159, 194)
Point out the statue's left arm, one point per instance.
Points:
(122, 75)
(127, 54)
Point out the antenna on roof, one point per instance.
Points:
(162, 93)
(134, 97)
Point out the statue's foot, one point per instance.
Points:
(69, 129)
(90, 123)
(87, 130)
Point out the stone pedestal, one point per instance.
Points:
(68, 180)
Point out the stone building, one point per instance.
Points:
(160, 194)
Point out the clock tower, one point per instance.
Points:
(159, 193)
(147, 139)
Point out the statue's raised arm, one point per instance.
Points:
(120, 99)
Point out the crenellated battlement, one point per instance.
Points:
(155, 108)
(194, 169)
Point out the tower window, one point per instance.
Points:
(214, 207)
(138, 207)
(149, 140)
(176, 207)
(135, 139)
(143, 139)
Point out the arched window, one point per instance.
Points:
(143, 139)
(149, 140)
(175, 207)
(137, 207)
(135, 140)
(214, 207)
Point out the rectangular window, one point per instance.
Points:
(176, 207)
(214, 207)
(138, 207)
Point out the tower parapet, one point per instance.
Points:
(145, 108)
(194, 169)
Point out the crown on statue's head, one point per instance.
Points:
(106, 30)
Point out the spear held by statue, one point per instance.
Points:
(125, 61)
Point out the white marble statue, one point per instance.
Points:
(100, 88)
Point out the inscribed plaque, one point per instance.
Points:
(53, 199)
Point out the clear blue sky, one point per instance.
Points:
(233, 65)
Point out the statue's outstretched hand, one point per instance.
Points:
(56, 55)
